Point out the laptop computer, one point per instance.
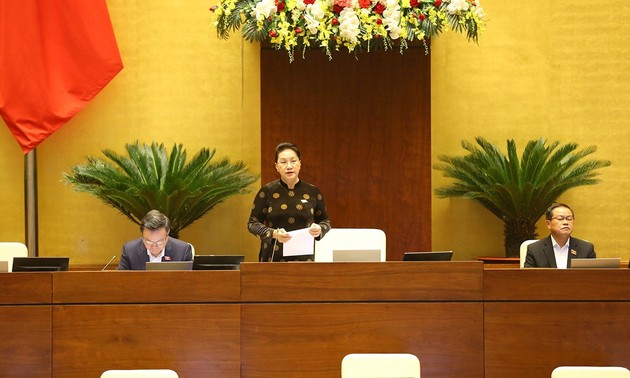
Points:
(428, 256)
(605, 262)
(356, 255)
(170, 265)
(40, 264)
(218, 262)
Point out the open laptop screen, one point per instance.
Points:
(170, 265)
(605, 262)
(428, 256)
(218, 262)
(40, 264)
(357, 255)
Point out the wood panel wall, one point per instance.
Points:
(363, 125)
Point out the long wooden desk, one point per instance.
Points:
(25, 325)
(186, 321)
(537, 319)
(300, 319)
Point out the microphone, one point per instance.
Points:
(110, 261)
(273, 252)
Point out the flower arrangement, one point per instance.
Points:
(350, 24)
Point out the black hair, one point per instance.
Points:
(287, 146)
(154, 220)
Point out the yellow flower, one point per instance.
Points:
(302, 25)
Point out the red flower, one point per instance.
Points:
(365, 3)
(298, 30)
(337, 8)
(309, 2)
(379, 21)
(438, 3)
(334, 21)
(280, 5)
(421, 17)
(414, 3)
(379, 8)
(273, 33)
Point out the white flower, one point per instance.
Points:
(349, 25)
(317, 10)
(457, 6)
(391, 19)
(390, 4)
(264, 9)
(314, 13)
(479, 11)
(299, 4)
(311, 23)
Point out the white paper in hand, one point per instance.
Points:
(301, 243)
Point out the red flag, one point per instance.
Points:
(55, 56)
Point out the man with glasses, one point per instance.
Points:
(154, 245)
(557, 250)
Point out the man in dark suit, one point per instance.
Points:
(154, 245)
(557, 250)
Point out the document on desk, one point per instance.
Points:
(301, 243)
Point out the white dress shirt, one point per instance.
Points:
(157, 258)
(562, 253)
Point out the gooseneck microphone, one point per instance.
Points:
(110, 261)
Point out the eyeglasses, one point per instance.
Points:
(285, 164)
(561, 218)
(157, 243)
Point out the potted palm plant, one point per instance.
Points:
(518, 191)
(149, 178)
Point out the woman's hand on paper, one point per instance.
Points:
(281, 235)
(315, 230)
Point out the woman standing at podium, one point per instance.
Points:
(286, 204)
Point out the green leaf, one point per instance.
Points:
(148, 178)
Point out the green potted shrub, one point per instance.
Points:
(151, 178)
(517, 191)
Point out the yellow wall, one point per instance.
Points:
(11, 187)
(542, 69)
(180, 84)
(549, 69)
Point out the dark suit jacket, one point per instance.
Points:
(134, 253)
(540, 254)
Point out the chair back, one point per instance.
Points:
(9, 250)
(140, 373)
(523, 250)
(381, 365)
(590, 371)
(350, 239)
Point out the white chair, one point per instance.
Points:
(523, 250)
(137, 373)
(381, 365)
(9, 250)
(350, 239)
(590, 372)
